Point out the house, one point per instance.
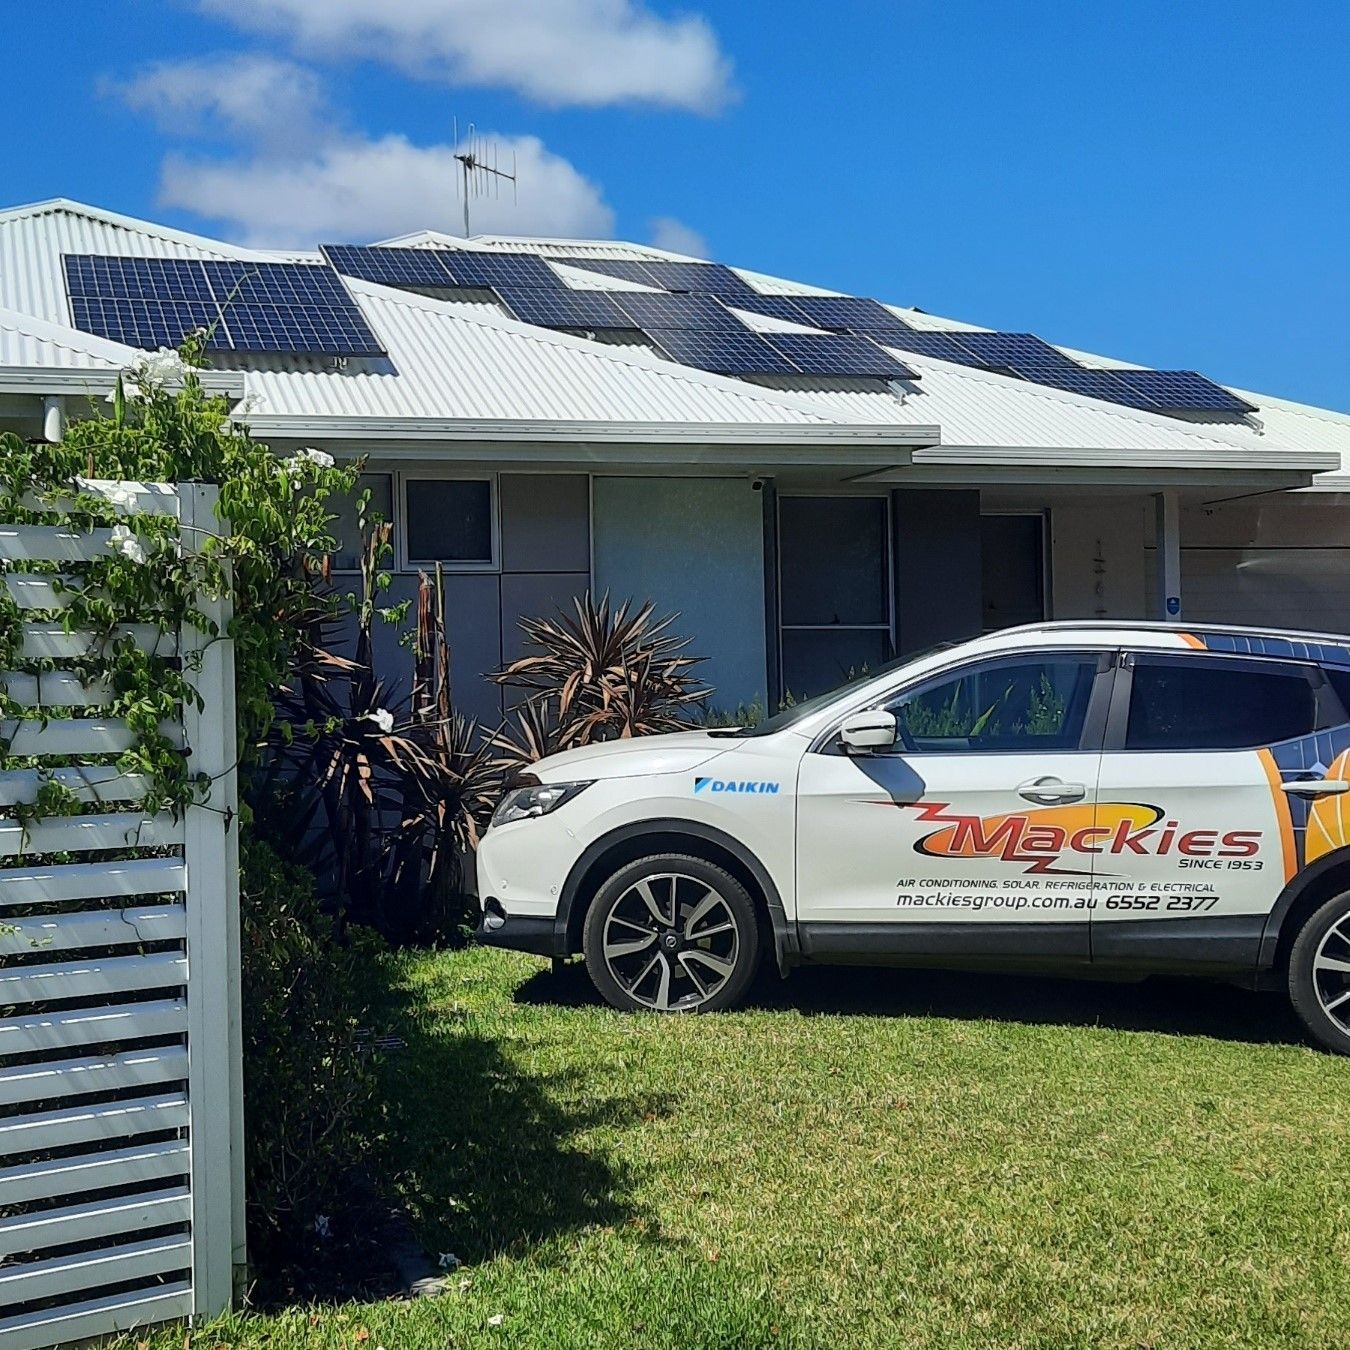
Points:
(814, 482)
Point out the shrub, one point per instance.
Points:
(311, 1105)
(304, 1085)
(602, 675)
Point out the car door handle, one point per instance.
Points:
(1315, 787)
(1051, 791)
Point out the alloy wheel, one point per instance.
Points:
(1331, 973)
(671, 941)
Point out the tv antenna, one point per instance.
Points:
(480, 171)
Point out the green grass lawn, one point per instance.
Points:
(865, 1158)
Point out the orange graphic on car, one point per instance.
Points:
(1039, 839)
(1329, 817)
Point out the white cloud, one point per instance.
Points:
(266, 101)
(358, 188)
(677, 237)
(585, 53)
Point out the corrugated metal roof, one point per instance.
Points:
(33, 238)
(26, 341)
(452, 364)
(979, 409)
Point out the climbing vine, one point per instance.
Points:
(264, 554)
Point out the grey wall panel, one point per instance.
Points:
(694, 545)
(535, 595)
(473, 623)
(938, 573)
(474, 627)
(545, 522)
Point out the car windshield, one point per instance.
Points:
(799, 712)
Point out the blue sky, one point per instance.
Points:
(1161, 182)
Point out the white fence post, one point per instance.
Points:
(119, 978)
(211, 856)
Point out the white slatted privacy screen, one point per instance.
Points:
(121, 1129)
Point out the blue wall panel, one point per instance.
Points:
(694, 545)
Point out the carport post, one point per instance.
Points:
(1168, 554)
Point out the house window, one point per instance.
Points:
(834, 590)
(345, 529)
(449, 520)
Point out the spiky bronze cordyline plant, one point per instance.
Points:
(384, 794)
(604, 673)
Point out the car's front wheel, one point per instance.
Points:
(1319, 974)
(672, 933)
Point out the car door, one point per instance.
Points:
(974, 834)
(1222, 756)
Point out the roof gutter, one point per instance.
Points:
(43, 380)
(1217, 457)
(869, 436)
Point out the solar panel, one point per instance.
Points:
(774, 306)
(275, 283)
(564, 308)
(626, 269)
(136, 278)
(289, 307)
(1182, 391)
(844, 354)
(1013, 349)
(724, 352)
(1103, 384)
(150, 324)
(851, 313)
(246, 306)
(500, 269)
(390, 266)
(943, 346)
(660, 310)
(700, 277)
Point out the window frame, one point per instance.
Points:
(1328, 702)
(1091, 737)
(402, 532)
(887, 627)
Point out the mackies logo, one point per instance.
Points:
(1055, 834)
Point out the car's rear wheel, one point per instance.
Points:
(1319, 975)
(671, 933)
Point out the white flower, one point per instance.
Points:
(321, 1225)
(449, 1261)
(121, 497)
(382, 718)
(122, 541)
(162, 366)
(309, 455)
(130, 390)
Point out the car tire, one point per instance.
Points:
(1319, 975)
(672, 933)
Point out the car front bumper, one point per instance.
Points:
(519, 932)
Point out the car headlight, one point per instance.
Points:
(538, 799)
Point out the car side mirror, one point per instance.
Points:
(864, 732)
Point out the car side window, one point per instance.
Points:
(1194, 703)
(1018, 704)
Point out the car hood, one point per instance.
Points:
(676, 752)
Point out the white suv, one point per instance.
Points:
(1081, 797)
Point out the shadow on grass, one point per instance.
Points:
(487, 1152)
(1177, 1007)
